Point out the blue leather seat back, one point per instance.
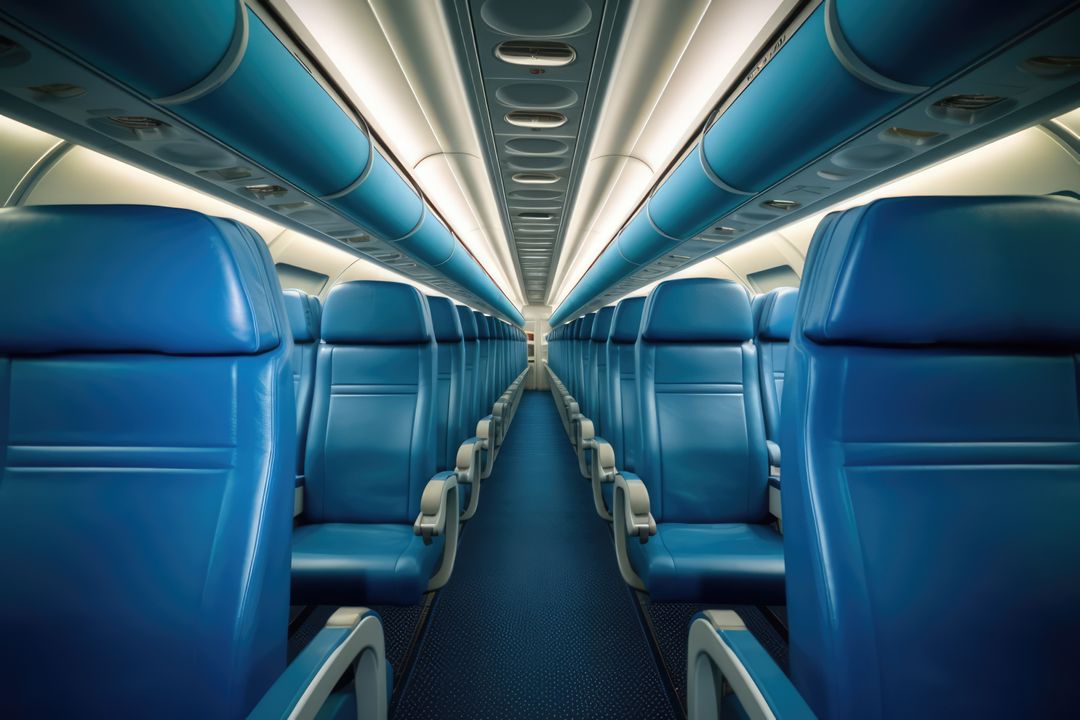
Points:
(571, 379)
(484, 382)
(450, 368)
(470, 401)
(622, 422)
(147, 435)
(773, 334)
(304, 313)
(703, 455)
(372, 444)
(598, 378)
(584, 339)
(932, 466)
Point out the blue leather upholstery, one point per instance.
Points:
(598, 378)
(622, 418)
(483, 364)
(304, 313)
(931, 483)
(773, 333)
(470, 396)
(581, 367)
(571, 357)
(382, 313)
(342, 563)
(147, 436)
(703, 456)
(449, 362)
(697, 311)
(371, 450)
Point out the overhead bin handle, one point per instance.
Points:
(854, 64)
(225, 68)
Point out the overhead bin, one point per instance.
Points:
(848, 66)
(430, 241)
(689, 199)
(609, 268)
(382, 202)
(217, 66)
(159, 49)
(803, 103)
(922, 42)
(273, 111)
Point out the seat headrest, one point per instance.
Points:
(468, 322)
(946, 271)
(697, 310)
(483, 325)
(373, 312)
(444, 320)
(626, 323)
(778, 314)
(304, 312)
(601, 327)
(584, 328)
(135, 278)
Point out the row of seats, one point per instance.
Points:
(388, 383)
(930, 416)
(151, 441)
(675, 397)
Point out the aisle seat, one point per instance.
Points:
(378, 526)
(696, 526)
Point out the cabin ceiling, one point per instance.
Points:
(536, 71)
(535, 205)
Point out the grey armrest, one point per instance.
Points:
(484, 432)
(468, 468)
(602, 471)
(722, 652)
(352, 637)
(440, 515)
(774, 453)
(586, 432)
(632, 518)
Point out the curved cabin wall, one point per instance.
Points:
(83, 176)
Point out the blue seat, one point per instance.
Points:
(148, 439)
(581, 364)
(304, 313)
(932, 485)
(486, 381)
(598, 378)
(371, 455)
(773, 330)
(621, 416)
(590, 425)
(703, 466)
(470, 396)
(449, 374)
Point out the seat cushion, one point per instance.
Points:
(337, 563)
(724, 563)
(607, 490)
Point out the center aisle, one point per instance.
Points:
(536, 621)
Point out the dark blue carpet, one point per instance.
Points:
(536, 621)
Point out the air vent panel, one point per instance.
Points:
(536, 53)
(535, 119)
